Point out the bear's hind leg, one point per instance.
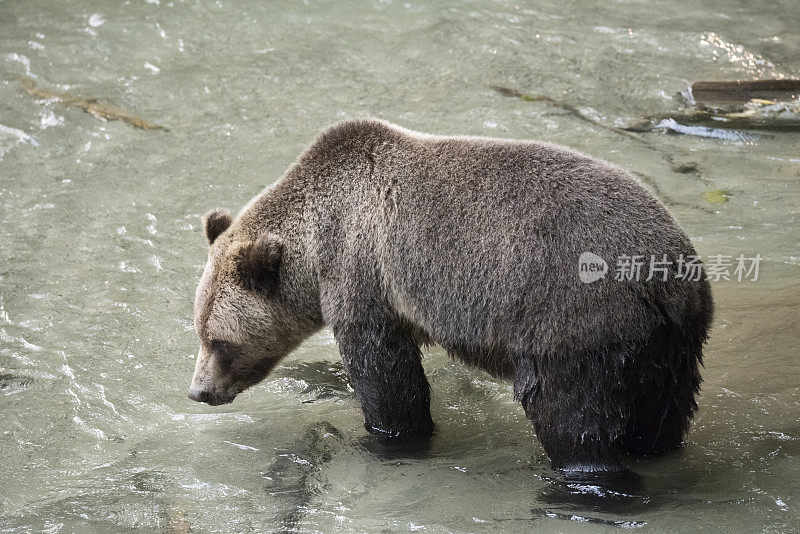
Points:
(384, 365)
(663, 382)
(577, 408)
(656, 427)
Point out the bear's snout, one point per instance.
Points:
(199, 396)
(208, 384)
(210, 398)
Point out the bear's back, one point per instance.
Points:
(485, 234)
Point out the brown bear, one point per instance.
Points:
(396, 239)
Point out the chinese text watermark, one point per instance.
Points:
(634, 268)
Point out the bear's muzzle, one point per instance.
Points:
(212, 399)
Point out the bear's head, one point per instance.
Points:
(242, 314)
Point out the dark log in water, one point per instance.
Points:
(734, 95)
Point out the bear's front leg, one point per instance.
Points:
(385, 369)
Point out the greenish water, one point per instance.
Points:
(101, 250)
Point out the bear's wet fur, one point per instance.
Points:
(396, 239)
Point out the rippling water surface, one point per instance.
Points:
(101, 249)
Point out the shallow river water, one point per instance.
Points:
(101, 249)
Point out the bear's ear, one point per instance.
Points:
(215, 223)
(261, 263)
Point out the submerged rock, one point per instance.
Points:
(10, 383)
(717, 196)
(295, 477)
(686, 167)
